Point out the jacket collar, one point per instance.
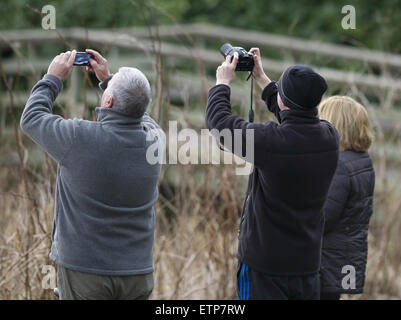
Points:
(299, 116)
(111, 116)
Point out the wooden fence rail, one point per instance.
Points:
(137, 39)
(135, 46)
(254, 38)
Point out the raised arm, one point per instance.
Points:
(99, 65)
(52, 133)
(269, 95)
(258, 73)
(219, 116)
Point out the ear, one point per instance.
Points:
(109, 102)
(280, 103)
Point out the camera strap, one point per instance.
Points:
(251, 113)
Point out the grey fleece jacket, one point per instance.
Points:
(105, 191)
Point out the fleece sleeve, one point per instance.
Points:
(54, 134)
(269, 96)
(246, 140)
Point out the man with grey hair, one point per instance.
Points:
(103, 230)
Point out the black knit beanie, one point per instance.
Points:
(301, 88)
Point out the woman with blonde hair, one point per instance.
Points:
(349, 204)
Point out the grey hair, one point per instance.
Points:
(131, 92)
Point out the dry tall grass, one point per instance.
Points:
(196, 231)
(196, 235)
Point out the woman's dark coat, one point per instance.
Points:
(348, 209)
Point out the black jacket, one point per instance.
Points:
(348, 209)
(294, 162)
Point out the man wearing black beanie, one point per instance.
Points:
(301, 88)
(294, 162)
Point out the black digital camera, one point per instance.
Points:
(82, 59)
(245, 58)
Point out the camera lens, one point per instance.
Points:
(227, 50)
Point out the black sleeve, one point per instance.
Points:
(220, 117)
(269, 96)
(337, 197)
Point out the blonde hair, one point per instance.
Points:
(351, 121)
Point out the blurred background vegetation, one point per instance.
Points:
(378, 21)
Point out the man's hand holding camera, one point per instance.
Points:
(225, 73)
(98, 64)
(258, 74)
(62, 65)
